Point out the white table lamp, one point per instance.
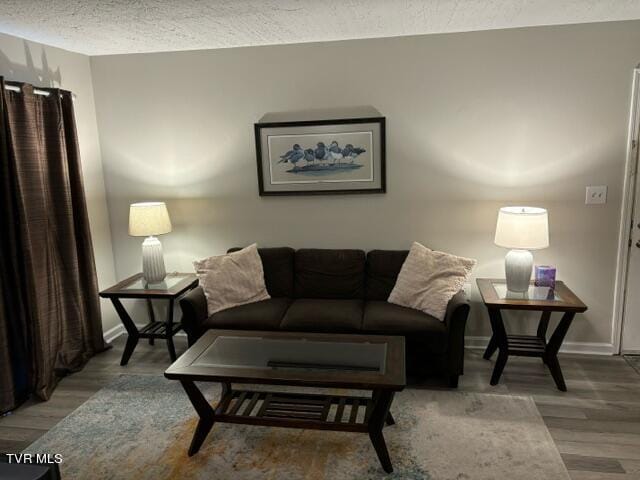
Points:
(521, 229)
(146, 220)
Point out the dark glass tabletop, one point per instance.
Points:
(293, 353)
(173, 285)
(169, 282)
(286, 358)
(534, 292)
(494, 293)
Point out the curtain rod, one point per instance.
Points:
(36, 91)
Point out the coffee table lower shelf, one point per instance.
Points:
(295, 410)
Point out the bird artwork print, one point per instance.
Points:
(322, 158)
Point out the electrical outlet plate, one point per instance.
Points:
(596, 195)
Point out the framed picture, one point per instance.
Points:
(321, 157)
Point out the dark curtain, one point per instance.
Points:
(50, 323)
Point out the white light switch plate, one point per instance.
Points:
(596, 195)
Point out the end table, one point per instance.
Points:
(171, 288)
(496, 298)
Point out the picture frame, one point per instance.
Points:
(321, 157)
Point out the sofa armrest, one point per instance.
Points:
(456, 322)
(457, 310)
(194, 312)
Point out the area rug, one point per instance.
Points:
(140, 426)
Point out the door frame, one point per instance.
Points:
(626, 215)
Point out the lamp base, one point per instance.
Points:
(517, 268)
(153, 269)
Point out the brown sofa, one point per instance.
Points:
(316, 290)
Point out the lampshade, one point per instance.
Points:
(525, 228)
(148, 218)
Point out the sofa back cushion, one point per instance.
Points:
(383, 267)
(277, 264)
(323, 273)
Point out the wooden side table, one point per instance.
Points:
(496, 298)
(171, 288)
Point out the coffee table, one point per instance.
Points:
(365, 362)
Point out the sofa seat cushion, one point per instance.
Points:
(264, 315)
(324, 315)
(389, 319)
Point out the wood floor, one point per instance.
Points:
(596, 424)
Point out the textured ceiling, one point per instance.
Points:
(126, 26)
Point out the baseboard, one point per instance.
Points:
(113, 333)
(590, 348)
(586, 348)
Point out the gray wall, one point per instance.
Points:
(475, 121)
(45, 66)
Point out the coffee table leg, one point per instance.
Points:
(130, 327)
(551, 353)
(379, 415)
(500, 334)
(374, 397)
(390, 420)
(205, 412)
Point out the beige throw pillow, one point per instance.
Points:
(233, 279)
(429, 279)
